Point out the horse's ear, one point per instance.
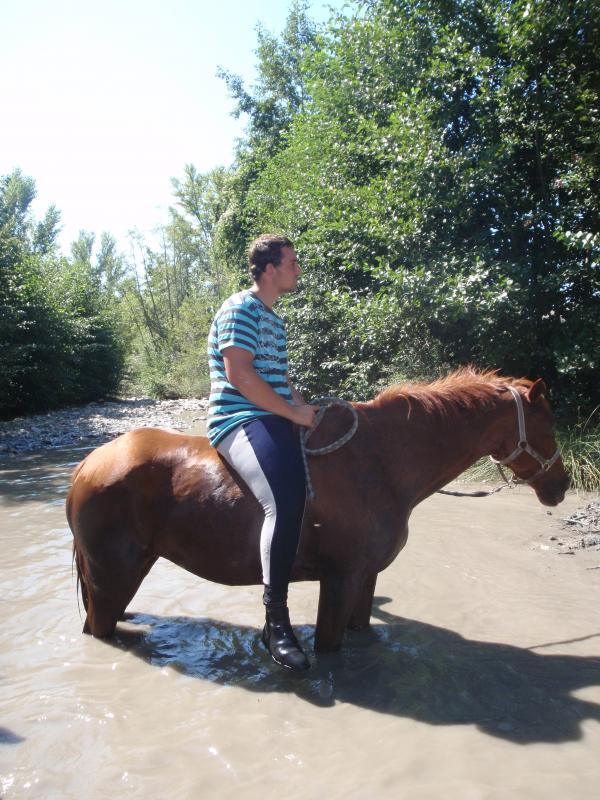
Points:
(536, 390)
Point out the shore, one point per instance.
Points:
(95, 423)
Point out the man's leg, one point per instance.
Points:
(266, 453)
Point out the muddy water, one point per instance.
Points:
(480, 677)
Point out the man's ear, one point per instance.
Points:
(536, 391)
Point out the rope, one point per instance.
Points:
(508, 484)
(305, 433)
(326, 402)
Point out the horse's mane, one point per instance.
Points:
(463, 388)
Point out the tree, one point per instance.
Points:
(445, 168)
(58, 338)
(281, 91)
(110, 266)
(280, 94)
(176, 287)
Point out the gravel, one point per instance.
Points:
(582, 528)
(96, 423)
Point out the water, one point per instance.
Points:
(480, 677)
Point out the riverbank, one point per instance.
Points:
(95, 423)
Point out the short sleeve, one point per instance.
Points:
(237, 328)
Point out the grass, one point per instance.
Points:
(580, 450)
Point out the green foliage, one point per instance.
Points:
(445, 167)
(580, 447)
(281, 89)
(59, 341)
(175, 289)
(437, 165)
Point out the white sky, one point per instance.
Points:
(103, 103)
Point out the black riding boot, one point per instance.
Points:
(278, 637)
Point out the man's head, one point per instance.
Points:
(272, 258)
(267, 249)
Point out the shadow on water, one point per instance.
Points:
(8, 737)
(403, 667)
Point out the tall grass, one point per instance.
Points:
(580, 447)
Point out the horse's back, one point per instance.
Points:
(170, 494)
(142, 464)
(113, 461)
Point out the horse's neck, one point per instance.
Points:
(426, 450)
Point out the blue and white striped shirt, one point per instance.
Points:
(244, 321)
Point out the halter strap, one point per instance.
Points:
(523, 446)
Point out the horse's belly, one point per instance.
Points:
(396, 545)
(222, 546)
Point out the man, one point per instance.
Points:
(253, 408)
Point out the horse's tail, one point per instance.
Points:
(78, 561)
(69, 502)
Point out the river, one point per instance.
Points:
(480, 677)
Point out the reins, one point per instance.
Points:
(523, 446)
(509, 483)
(305, 433)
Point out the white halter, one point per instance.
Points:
(524, 447)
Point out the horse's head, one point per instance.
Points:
(528, 446)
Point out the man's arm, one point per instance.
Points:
(297, 398)
(241, 374)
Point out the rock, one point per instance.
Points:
(582, 528)
(96, 422)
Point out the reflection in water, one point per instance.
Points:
(405, 667)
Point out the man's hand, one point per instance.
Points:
(241, 374)
(304, 415)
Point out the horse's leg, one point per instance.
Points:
(361, 613)
(146, 569)
(110, 588)
(337, 599)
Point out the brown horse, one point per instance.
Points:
(153, 492)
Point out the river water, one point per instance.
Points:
(480, 677)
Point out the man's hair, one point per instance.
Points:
(266, 250)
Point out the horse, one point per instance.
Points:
(154, 492)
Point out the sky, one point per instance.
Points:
(103, 103)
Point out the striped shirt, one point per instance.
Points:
(244, 321)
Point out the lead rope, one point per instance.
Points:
(305, 433)
(522, 447)
(508, 484)
(326, 402)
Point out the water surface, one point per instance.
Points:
(480, 677)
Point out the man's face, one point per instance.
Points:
(286, 274)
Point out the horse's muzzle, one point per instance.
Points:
(551, 494)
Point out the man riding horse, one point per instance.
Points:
(154, 493)
(252, 412)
